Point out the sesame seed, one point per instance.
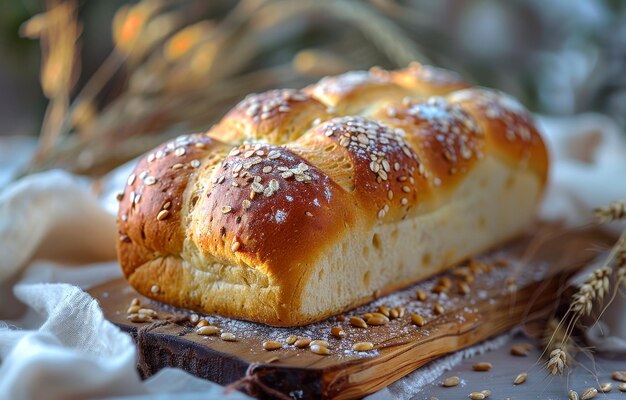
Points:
(147, 311)
(246, 204)
(150, 180)
(228, 337)
(404, 201)
(271, 345)
(257, 187)
(321, 350)
(358, 322)
(337, 332)
(226, 209)
(302, 343)
(319, 343)
(374, 166)
(180, 151)
(438, 309)
(451, 381)
(155, 289)
(177, 166)
(418, 320)
(482, 367)
(133, 309)
(362, 138)
(167, 205)
(386, 166)
(131, 179)
(267, 169)
(139, 318)
(291, 339)
(235, 247)
(162, 215)
(363, 346)
(195, 163)
(406, 189)
(378, 320)
(274, 154)
(208, 330)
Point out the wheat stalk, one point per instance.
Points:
(557, 362)
(612, 273)
(594, 288)
(559, 345)
(613, 212)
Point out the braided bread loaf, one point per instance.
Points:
(301, 204)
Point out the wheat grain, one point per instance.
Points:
(613, 212)
(589, 393)
(521, 378)
(594, 288)
(558, 360)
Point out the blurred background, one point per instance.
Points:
(89, 85)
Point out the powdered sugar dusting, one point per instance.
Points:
(280, 216)
(493, 278)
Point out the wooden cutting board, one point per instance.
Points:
(514, 284)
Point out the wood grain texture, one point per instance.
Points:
(514, 284)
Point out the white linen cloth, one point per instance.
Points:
(55, 343)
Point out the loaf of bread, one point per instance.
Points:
(300, 204)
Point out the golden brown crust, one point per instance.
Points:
(277, 116)
(149, 217)
(251, 230)
(428, 80)
(356, 91)
(267, 206)
(447, 139)
(386, 175)
(510, 130)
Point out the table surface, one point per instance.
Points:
(539, 384)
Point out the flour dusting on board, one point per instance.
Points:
(445, 300)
